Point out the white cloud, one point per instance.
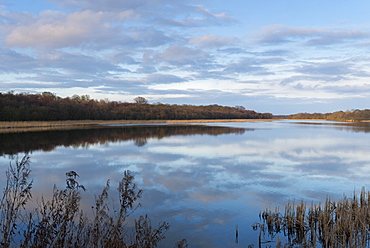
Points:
(213, 41)
(181, 52)
(16, 62)
(55, 29)
(182, 55)
(275, 34)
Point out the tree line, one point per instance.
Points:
(349, 115)
(50, 107)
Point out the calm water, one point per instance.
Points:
(204, 180)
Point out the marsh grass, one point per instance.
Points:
(27, 126)
(59, 221)
(342, 223)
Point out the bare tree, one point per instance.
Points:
(239, 107)
(141, 100)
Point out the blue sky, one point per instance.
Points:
(280, 57)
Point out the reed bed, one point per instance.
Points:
(342, 223)
(27, 126)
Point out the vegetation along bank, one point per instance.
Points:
(49, 107)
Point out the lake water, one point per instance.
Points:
(203, 179)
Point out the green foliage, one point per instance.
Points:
(59, 222)
(49, 107)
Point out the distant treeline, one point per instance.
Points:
(349, 115)
(49, 107)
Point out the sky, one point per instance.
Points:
(281, 57)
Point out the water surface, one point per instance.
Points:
(204, 179)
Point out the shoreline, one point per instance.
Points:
(33, 126)
(29, 126)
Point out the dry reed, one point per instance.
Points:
(342, 223)
(59, 222)
(24, 126)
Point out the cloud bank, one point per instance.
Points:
(196, 52)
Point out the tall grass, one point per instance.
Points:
(16, 194)
(342, 223)
(59, 221)
(26, 126)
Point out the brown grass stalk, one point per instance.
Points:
(342, 223)
(59, 221)
(26, 126)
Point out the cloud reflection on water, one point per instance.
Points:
(205, 184)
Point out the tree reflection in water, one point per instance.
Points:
(13, 143)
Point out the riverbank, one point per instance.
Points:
(31, 126)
